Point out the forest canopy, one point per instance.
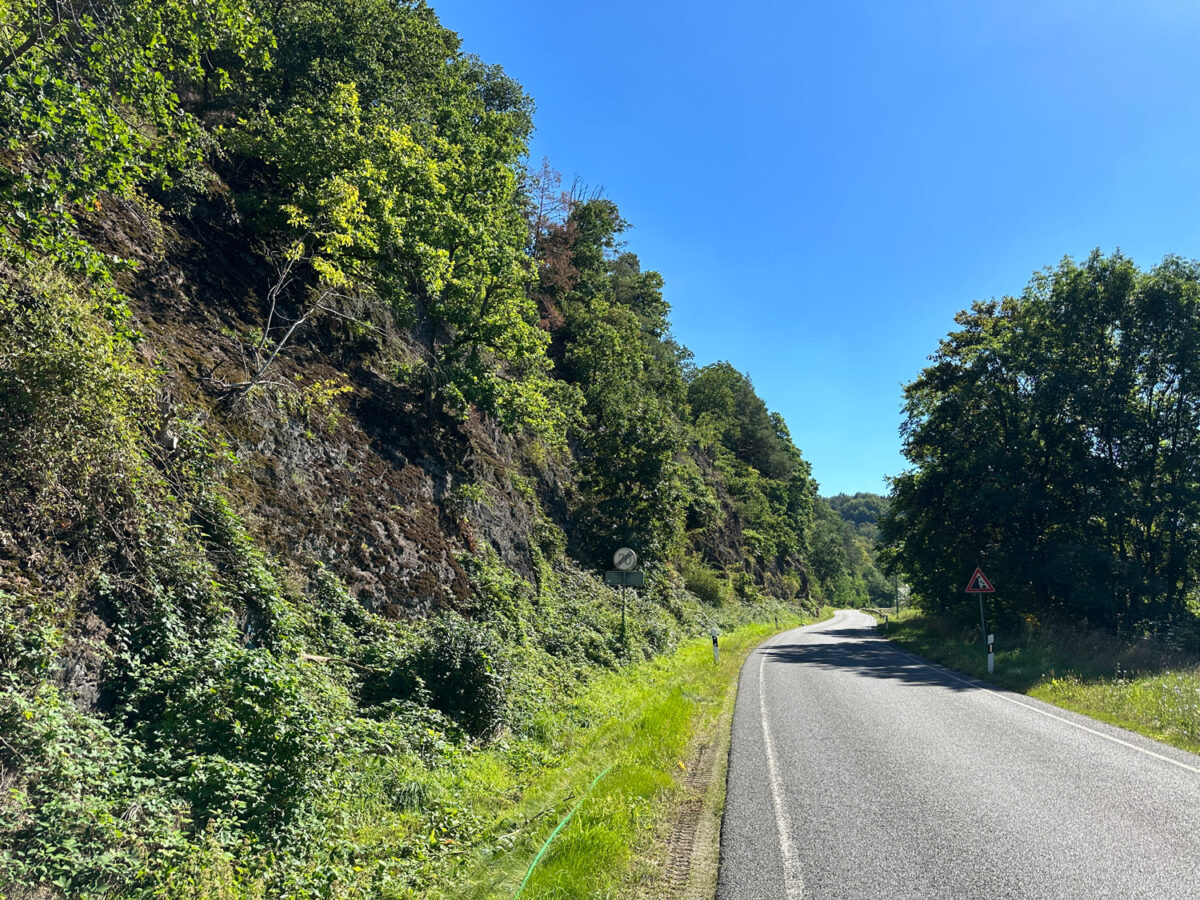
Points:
(1054, 440)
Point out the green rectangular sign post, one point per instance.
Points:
(625, 579)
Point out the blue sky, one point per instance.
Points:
(823, 185)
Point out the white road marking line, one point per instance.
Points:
(793, 878)
(1108, 737)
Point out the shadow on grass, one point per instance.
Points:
(1017, 668)
(1091, 657)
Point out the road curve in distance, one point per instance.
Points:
(858, 770)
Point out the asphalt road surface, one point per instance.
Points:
(858, 770)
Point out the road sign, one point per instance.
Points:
(624, 559)
(625, 579)
(979, 584)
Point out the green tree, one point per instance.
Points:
(634, 474)
(1054, 439)
(90, 106)
(770, 482)
(392, 168)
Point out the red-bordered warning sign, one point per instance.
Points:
(979, 584)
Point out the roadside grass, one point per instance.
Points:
(1140, 685)
(640, 721)
(416, 813)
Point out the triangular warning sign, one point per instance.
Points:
(979, 584)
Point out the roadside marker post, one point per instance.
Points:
(991, 653)
(979, 584)
(716, 650)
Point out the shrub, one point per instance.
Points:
(466, 674)
(80, 810)
(249, 735)
(74, 395)
(706, 584)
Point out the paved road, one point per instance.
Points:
(858, 770)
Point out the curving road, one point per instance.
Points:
(859, 770)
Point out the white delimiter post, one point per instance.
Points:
(991, 655)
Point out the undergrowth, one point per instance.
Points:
(256, 732)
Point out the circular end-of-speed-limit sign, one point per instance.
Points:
(624, 560)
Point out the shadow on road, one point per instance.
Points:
(866, 632)
(864, 654)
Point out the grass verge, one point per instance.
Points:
(645, 722)
(1142, 686)
(680, 857)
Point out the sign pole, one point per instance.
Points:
(623, 640)
(624, 560)
(979, 584)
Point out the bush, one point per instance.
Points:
(74, 398)
(80, 811)
(465, 673)
(706, 584)
(249, 735)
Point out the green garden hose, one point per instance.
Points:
(555, 832)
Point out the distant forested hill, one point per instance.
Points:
(845, 548)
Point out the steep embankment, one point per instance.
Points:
(321, 417)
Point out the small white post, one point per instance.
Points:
(991, 653)
(716, 650)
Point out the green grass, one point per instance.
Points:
(450, 819)
(639, 720)
(1140, 685)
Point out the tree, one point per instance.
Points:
(395, 174)
(90, 106)
(1054, 439)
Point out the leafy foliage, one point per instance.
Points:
(187, 714)
(845, 550)
(770, 482)
(89, 105)
(1054, 440)
(463, 668)
(407, 186)
(73, 394)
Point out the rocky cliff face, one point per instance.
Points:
(367, 481)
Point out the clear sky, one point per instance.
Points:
(823, 185)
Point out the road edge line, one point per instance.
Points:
(1080, 726)
(793, 877)
(982, 686)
